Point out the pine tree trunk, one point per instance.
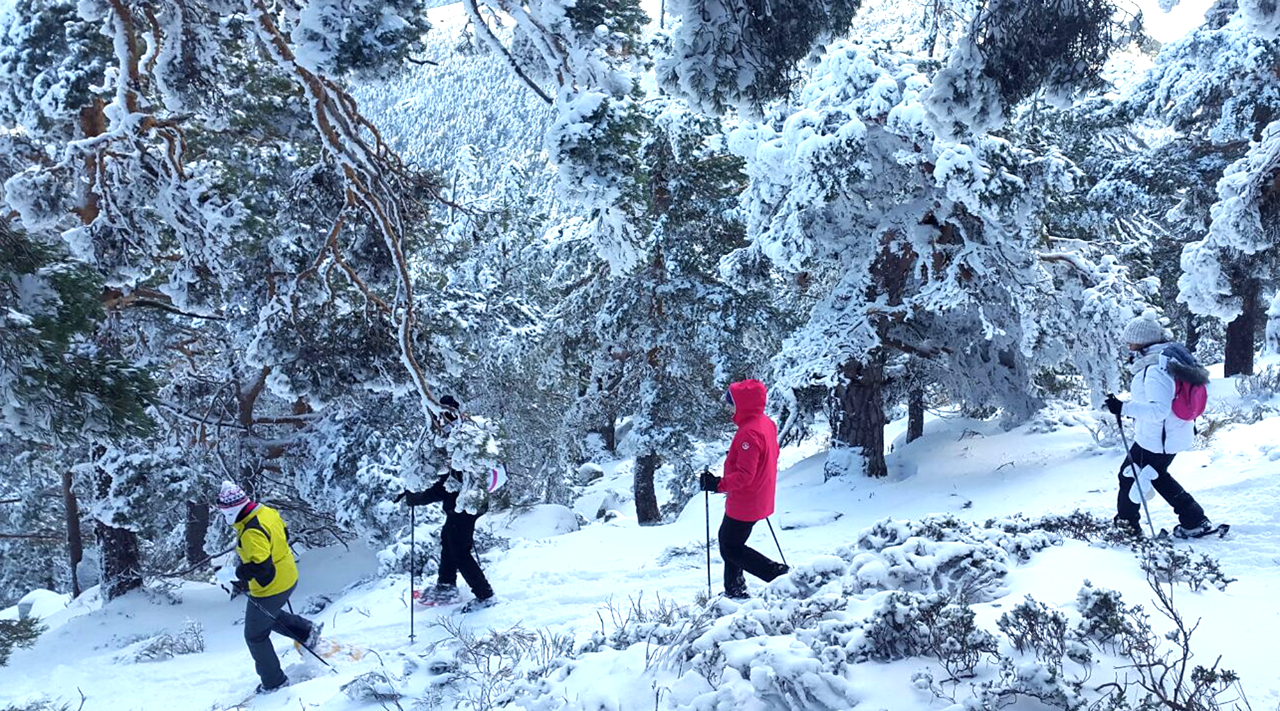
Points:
(120, 561)
(75, 542)
(610, 433)
(915, 414)
(118, 547)
(857, 421)
(1241, 332)
(1193, 332)
(197, 529)
(646, 498)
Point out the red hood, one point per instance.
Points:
(749, 398)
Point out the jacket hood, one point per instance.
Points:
(749, 399)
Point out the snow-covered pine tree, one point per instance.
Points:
(1013, 49)
(745, 54)
(916, 245)
(663, 340)
(1216, 87)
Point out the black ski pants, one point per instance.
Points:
(457, 546)
(258, 627)
(738, 557)
(1189, 512)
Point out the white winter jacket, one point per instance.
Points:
(1151, 406)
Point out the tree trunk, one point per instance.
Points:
(1193, 332)
(646, 498)
(121, 567)
(197, 529)
(610, 434)
(857, 421)
(1241, 332)
(915, 414)
(75, 542)
(120, 555)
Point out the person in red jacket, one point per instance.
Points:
(750, 476)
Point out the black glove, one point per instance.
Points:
(709, 481)
(238, 587)
(1114, 404)
(400, 496)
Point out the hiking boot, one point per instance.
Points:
(1128, 527)
(737, 594)
(1203, 528)
(284, 681)
(313, 637)
(480, 603)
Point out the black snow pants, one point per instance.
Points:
(258, 627)
(1189, 512)
(457, 544)
(738, 557)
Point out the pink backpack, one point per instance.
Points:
(1190, 394)
(1189, 399)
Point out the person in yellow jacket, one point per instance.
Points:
(268, 574)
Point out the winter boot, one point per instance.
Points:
(1128, 527)
(267, 690)
(1204, 528)
(480, 603)
(737, 594)
(313, 637)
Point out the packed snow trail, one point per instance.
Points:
(565, 581)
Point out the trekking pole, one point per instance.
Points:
(1133, 466)
(413, 572)
(775, 542)
(706, 505)
(276, 620)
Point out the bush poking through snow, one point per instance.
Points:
(1104, 618)
(488, 670)
(40, 705)
(189, 639)
(1035, 628)
(372, 686)
(941, 554)
(1169, 563)
(1261, 387)
(909, 625)
(16, 634)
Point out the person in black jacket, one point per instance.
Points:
(457, 536)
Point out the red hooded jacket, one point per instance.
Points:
(751, 468)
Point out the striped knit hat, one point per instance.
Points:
(231, 496)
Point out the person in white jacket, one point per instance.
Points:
(1159, 434)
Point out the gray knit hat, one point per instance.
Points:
(1144, 330)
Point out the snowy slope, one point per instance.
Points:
(564, 581)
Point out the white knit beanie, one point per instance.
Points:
(231, 497)
(1144, 330)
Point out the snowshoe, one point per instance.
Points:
(480, 603)
(437, 596)
(268, 689)
(330, 649)
(1204, 530)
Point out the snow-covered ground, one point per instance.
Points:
(557, 578)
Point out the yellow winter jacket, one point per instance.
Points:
(263, 547)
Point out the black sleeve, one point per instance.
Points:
(421, 498)
(263, 572)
